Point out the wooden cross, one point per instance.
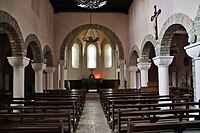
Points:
(155, 17)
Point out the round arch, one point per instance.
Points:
(167, 30)
(134, 55)
(32, 41)
(109, 33)
(145, 47)
(9, 25)
(47, 54)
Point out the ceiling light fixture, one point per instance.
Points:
(90, 39)
(91, 4)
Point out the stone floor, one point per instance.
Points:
(93, 119)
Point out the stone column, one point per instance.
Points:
(62, 71)
(50, 71)
(193, 50)
(133, 79)
(18, 64)
(163, 63)
(122, 84)
(144, 67)
(38, 68)
(44, 76)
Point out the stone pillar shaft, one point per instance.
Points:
(122, 83)
(38, 67)
(193, 50)
(163, 63)
(133, 79)
(50, 71)
(197, 77)
(62, 71)
(18, 64)
(144, 67)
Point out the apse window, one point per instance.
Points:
(107, 56)
(75, 56)
(91, 56)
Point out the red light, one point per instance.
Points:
(97, 75)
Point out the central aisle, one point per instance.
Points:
(93, 119)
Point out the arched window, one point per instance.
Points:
(75, 56)
(91, 56)
(107, 56)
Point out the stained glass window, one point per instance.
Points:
(107, 56)
(75, 56)
(91, 56)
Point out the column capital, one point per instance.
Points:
(144, 65)
(163, 60)
(122, 62)
(61, 62)
(17, 62)
(193, 50)
(132, 68)
(197, 59)
(38, 66)
(50, 69)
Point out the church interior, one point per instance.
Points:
(99, 66)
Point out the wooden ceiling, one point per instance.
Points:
(118, 6)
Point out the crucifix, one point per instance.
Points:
(155, 18)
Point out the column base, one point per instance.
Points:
(62, 88)
(122, 87)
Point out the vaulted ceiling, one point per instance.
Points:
(118, 6)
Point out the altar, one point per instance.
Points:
(91, 84)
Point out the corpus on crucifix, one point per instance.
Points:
(155, 18)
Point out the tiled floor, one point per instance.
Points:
(93, 119)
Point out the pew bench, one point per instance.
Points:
(152, 116)
(138, 107)
(139, 101)
(42, 109)
(31, 129)
(177, 127)
(78, 110)
(40, 122)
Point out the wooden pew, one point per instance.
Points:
(31, 129)
(68, 103)
(149, 116)
(73, 94)
(38, 122)
(42, 109)
(54, 99)
(105, 97)
(51, 99)
(125, 97)
(177, 127)
(73, 97)
(139, 101)
(153, 106)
